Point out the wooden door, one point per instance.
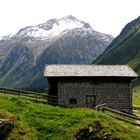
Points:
(91, 101)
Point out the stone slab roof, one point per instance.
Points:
(60, 70)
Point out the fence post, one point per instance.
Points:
(47, 98)
(18, 94)
(5, 91)
(46, 91)
(100, 107)
(36, 96)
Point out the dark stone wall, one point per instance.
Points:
(115, 95)
(115, 92)
(74, 89)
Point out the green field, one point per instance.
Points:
(36, 121)
(136, 96)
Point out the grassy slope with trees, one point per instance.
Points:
(125, 49)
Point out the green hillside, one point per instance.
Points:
(34, 121)
(125, 49)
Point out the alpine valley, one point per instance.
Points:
(65, 41)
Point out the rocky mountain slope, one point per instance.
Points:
(66, 40)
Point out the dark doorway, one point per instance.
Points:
(91, 101)
(53, 92)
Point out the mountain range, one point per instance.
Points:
(65, 41)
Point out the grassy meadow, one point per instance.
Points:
(36, 121)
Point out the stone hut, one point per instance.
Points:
(90, 85)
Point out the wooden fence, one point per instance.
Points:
(52, 100)
(34, 96)
(129, 118)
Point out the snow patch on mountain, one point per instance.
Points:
(52, 27)
(5, 37)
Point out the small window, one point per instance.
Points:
(73, 101)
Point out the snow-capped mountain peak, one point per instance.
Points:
(52, 28)
(6, 37)
(65, 40)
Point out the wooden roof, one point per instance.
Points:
(60, 70)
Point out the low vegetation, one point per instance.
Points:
(136, 96)
(35, 121)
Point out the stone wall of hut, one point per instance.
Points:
(115, 95)
(79, 92)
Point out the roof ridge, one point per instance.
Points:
(89, 70)
(85, 65)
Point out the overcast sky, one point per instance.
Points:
(107, 16)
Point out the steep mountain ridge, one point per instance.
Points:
(66, 40)
(51, 28)
(125, 49)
